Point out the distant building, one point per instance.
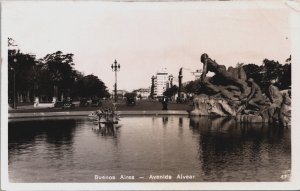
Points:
(161, 81)
(197, 74)
(142, 93)
(120, 94)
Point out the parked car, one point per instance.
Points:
(59, 104)
(84, 103)
(130, 101)
(96, 103)
(181, 100)
(68, 104)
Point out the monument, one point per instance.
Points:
(230, 93)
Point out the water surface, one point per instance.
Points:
(72, 150)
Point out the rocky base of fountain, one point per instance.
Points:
(205, 106)
(230, 93)
(210, 106)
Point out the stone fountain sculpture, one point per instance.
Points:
(230, 93)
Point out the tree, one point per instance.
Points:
(253, 71)
(60, 71)
(286, 80)
(91, 86)
(270, 70)
(130, 95)
(75, 89)
(171, 91)
(21, 73)
(192, 86)
(50, 76)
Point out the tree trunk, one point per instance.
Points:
(55, 91)
(17, 98)
(28, 96)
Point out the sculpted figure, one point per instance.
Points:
(229, 93)
(276, 98)
(285, 110)
(220, 70)
(255, 98)
(275, 95)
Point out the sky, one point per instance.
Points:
(147, 36)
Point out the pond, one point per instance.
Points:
(147, 149)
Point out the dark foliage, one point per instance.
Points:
(270, 70)
(20, 69)
(91, 86)
(130, 95)
(171, 91)
(50, 76)
(192, 87)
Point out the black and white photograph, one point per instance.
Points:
(159, 95)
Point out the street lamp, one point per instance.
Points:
(152, 87)
(115, 68)
(14, 75)
(171, 80)
(179, 82)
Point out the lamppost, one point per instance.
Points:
(152, 87)
(179, 82)
(35, 85)
(171, 80)
(14, 76)
(115, 68)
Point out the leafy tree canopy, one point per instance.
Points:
(171, 91)
(51, 75)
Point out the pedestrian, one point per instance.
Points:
(165, 103)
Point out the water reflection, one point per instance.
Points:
(230, 150)
(56, 134)
(180, 122)
(212, 149)
(165, 120)
(106, 129)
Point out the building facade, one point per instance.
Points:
(120, 94)
(161, 81)
(143, 93)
